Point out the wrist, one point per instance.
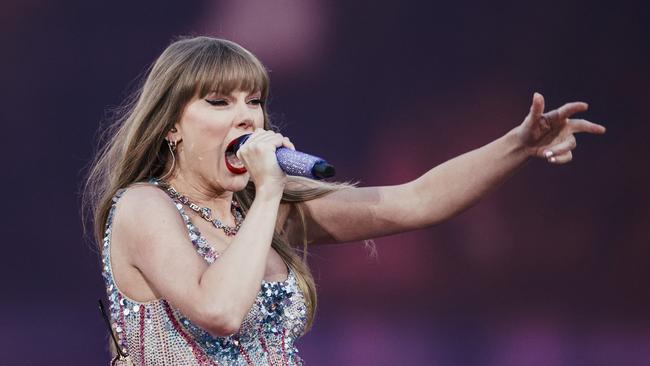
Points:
(269, 192)
(516, 145)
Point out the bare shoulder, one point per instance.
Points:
(152, 255)
(144, 212)
(145, 202)
(142, 195)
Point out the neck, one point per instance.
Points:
(203, 194)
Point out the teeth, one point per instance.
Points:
(234, 161)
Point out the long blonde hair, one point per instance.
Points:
(133, 147)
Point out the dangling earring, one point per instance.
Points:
(172, 145)
(171, 150)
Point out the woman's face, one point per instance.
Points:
(206, 127)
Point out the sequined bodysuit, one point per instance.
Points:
(155, 333)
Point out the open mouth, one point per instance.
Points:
(233, 163)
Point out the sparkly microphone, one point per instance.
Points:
(290, 161)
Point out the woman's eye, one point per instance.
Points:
(255, 101)
(219, 102)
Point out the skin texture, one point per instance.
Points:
(150, 251)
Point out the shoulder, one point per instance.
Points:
(143, 194)
(143, 198)
(144, 209)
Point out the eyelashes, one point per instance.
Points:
(224, 102)
(217, 102)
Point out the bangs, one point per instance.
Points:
(226, 68)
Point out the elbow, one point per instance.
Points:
(220, 323)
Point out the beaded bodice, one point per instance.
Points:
(155, 333)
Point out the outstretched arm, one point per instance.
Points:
(449, 188)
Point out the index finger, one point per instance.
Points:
(582, 125)
(569, 109)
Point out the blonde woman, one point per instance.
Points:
(200, 248)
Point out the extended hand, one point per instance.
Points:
(550, 135)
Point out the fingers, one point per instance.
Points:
(557, 118)
(287, 143)
(565, 111)
(581, 125)
(549, 119)
(562, 148)
(261, 135)
(537, 115)
(276, 139)
(561, 159)
(537, 107)
(569, 109)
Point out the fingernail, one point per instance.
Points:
(548, 153)
(553, 159)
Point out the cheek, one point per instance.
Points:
(204, 134)
(209, 129)
(259, 119)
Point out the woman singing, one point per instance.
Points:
(200, 246)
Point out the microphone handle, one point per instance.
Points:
(298, 163)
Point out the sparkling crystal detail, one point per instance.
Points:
(267, 335)
(206, 213)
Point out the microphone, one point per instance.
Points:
(290, 161)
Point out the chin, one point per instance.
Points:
(237, 183)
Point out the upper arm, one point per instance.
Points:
(151, 231)
(356, 213)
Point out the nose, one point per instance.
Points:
(244, 117)
(246, 123)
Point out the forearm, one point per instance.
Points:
(234, 279)
(457, 184)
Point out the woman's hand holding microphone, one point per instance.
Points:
(258, 156)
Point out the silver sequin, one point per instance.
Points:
(165, 336)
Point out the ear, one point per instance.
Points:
(172, 135)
